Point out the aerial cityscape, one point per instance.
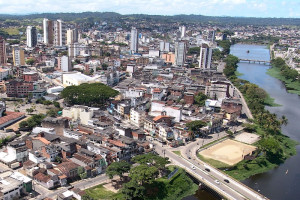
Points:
(154, 100)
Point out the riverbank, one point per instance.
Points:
(291, 86)
(274, 147)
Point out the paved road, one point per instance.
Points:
(188, 160)
(83, 184)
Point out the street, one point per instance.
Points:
(82, 184)
(205, 173)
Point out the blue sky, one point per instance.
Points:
(246, 8)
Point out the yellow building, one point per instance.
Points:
(18, 56)
(168, 57)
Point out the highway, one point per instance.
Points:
(212, 177)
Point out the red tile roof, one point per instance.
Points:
(42, 177)
(116, 143)
(66, 167)
(10, 116)
(43, 140)
(159, 117)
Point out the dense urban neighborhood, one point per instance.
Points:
(122, 106)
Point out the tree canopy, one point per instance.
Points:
(285, 70)
(117, 168)
(200, 99)
(94, 94)
(32, 122)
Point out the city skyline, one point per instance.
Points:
(239, 8)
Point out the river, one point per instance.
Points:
(282, 182)
(276, 184)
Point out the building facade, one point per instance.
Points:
(31, 36)
(180, 53)
(134, 40)
(205, 57)
(18, 56)
(2, 51)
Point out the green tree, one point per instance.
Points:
(143, 174)
(152, 160)
(56, 104)
(23, 124)
(52, 113)
(200, 99)
(194, 50)
(94, 94)
(33, 121)
(194, 127)
(81, 172)
(29, 110)
(117, 168)
(133, 191)
(30, 61)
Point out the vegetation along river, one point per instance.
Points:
(282, 182)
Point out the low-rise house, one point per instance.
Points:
(69, 169)
(47, 181)
(232, 108)
(10, 188)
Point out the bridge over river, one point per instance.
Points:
(265, 62)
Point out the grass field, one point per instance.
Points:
(11, 31)
(269, 101)
(99, 192)
(215, 163)
(292, 86)
(177, 153)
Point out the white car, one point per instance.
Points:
(217, 182)
(193, 167)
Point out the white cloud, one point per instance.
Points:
(257, 8)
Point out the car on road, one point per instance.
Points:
(189, 157)
(207, 169)
(193, 167)
(217, 182)
(226, 180)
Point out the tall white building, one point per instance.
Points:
(72, 36)
(164, 46)
(31, 36)
(54, 32)
(180, 52)
(182, 30)
(205, 57)
(48, 31)
(134, 40)
(59, 33)
(64, 63)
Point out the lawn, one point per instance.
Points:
(292, 86)
(99, 192)
(237, 73)
(177, 153)
(11, 31)
(269, 101)
(215, 163)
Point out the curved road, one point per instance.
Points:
(211, 177)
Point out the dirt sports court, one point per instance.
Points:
(228, 151)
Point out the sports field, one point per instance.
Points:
(228, 151)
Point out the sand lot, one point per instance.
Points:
(248, 138)
(228, 151)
